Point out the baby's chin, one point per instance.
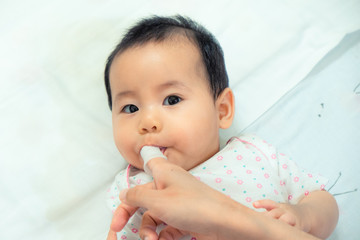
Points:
(139, 164)
(138, 167)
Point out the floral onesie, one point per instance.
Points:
(246, 169)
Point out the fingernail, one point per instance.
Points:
(123, 193)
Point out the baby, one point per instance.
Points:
(168, 88)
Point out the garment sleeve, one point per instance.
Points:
(296, 182)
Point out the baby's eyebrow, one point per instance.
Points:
(173, 83)
(169, 84)
(124, 94)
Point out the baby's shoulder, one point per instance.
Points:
(253, 143)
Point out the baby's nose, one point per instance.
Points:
(150, 123)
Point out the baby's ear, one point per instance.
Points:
(225, 105)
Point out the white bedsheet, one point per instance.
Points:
(57, 156)
(318, 124)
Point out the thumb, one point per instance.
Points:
(171, 233)
(121, 216)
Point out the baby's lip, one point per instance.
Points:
(163, 149)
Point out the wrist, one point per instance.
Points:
(239, 222)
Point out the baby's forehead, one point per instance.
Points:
(178, 40)
(189, 62)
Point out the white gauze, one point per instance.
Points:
(149, 152)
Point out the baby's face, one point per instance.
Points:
(161, 97)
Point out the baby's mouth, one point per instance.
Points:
(163, 149)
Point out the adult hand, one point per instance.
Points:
(187, 205)
(176, 198)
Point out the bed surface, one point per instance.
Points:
(293, 65)
(318, 124)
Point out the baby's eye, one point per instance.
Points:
(130, 108)
(172, 100)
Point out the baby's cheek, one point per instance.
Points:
(135, 160)
(126, 149)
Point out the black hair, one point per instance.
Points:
(158, 29)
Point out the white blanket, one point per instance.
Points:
(57, 156)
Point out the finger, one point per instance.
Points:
(170, 233)
(266, 203)
(121, 216)
(276, 213)
(150, 152)
(154, 163)
(111, 235)
(148, 226)
(288, 218)
(124, 193)
(166, 173)
(141, 196)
